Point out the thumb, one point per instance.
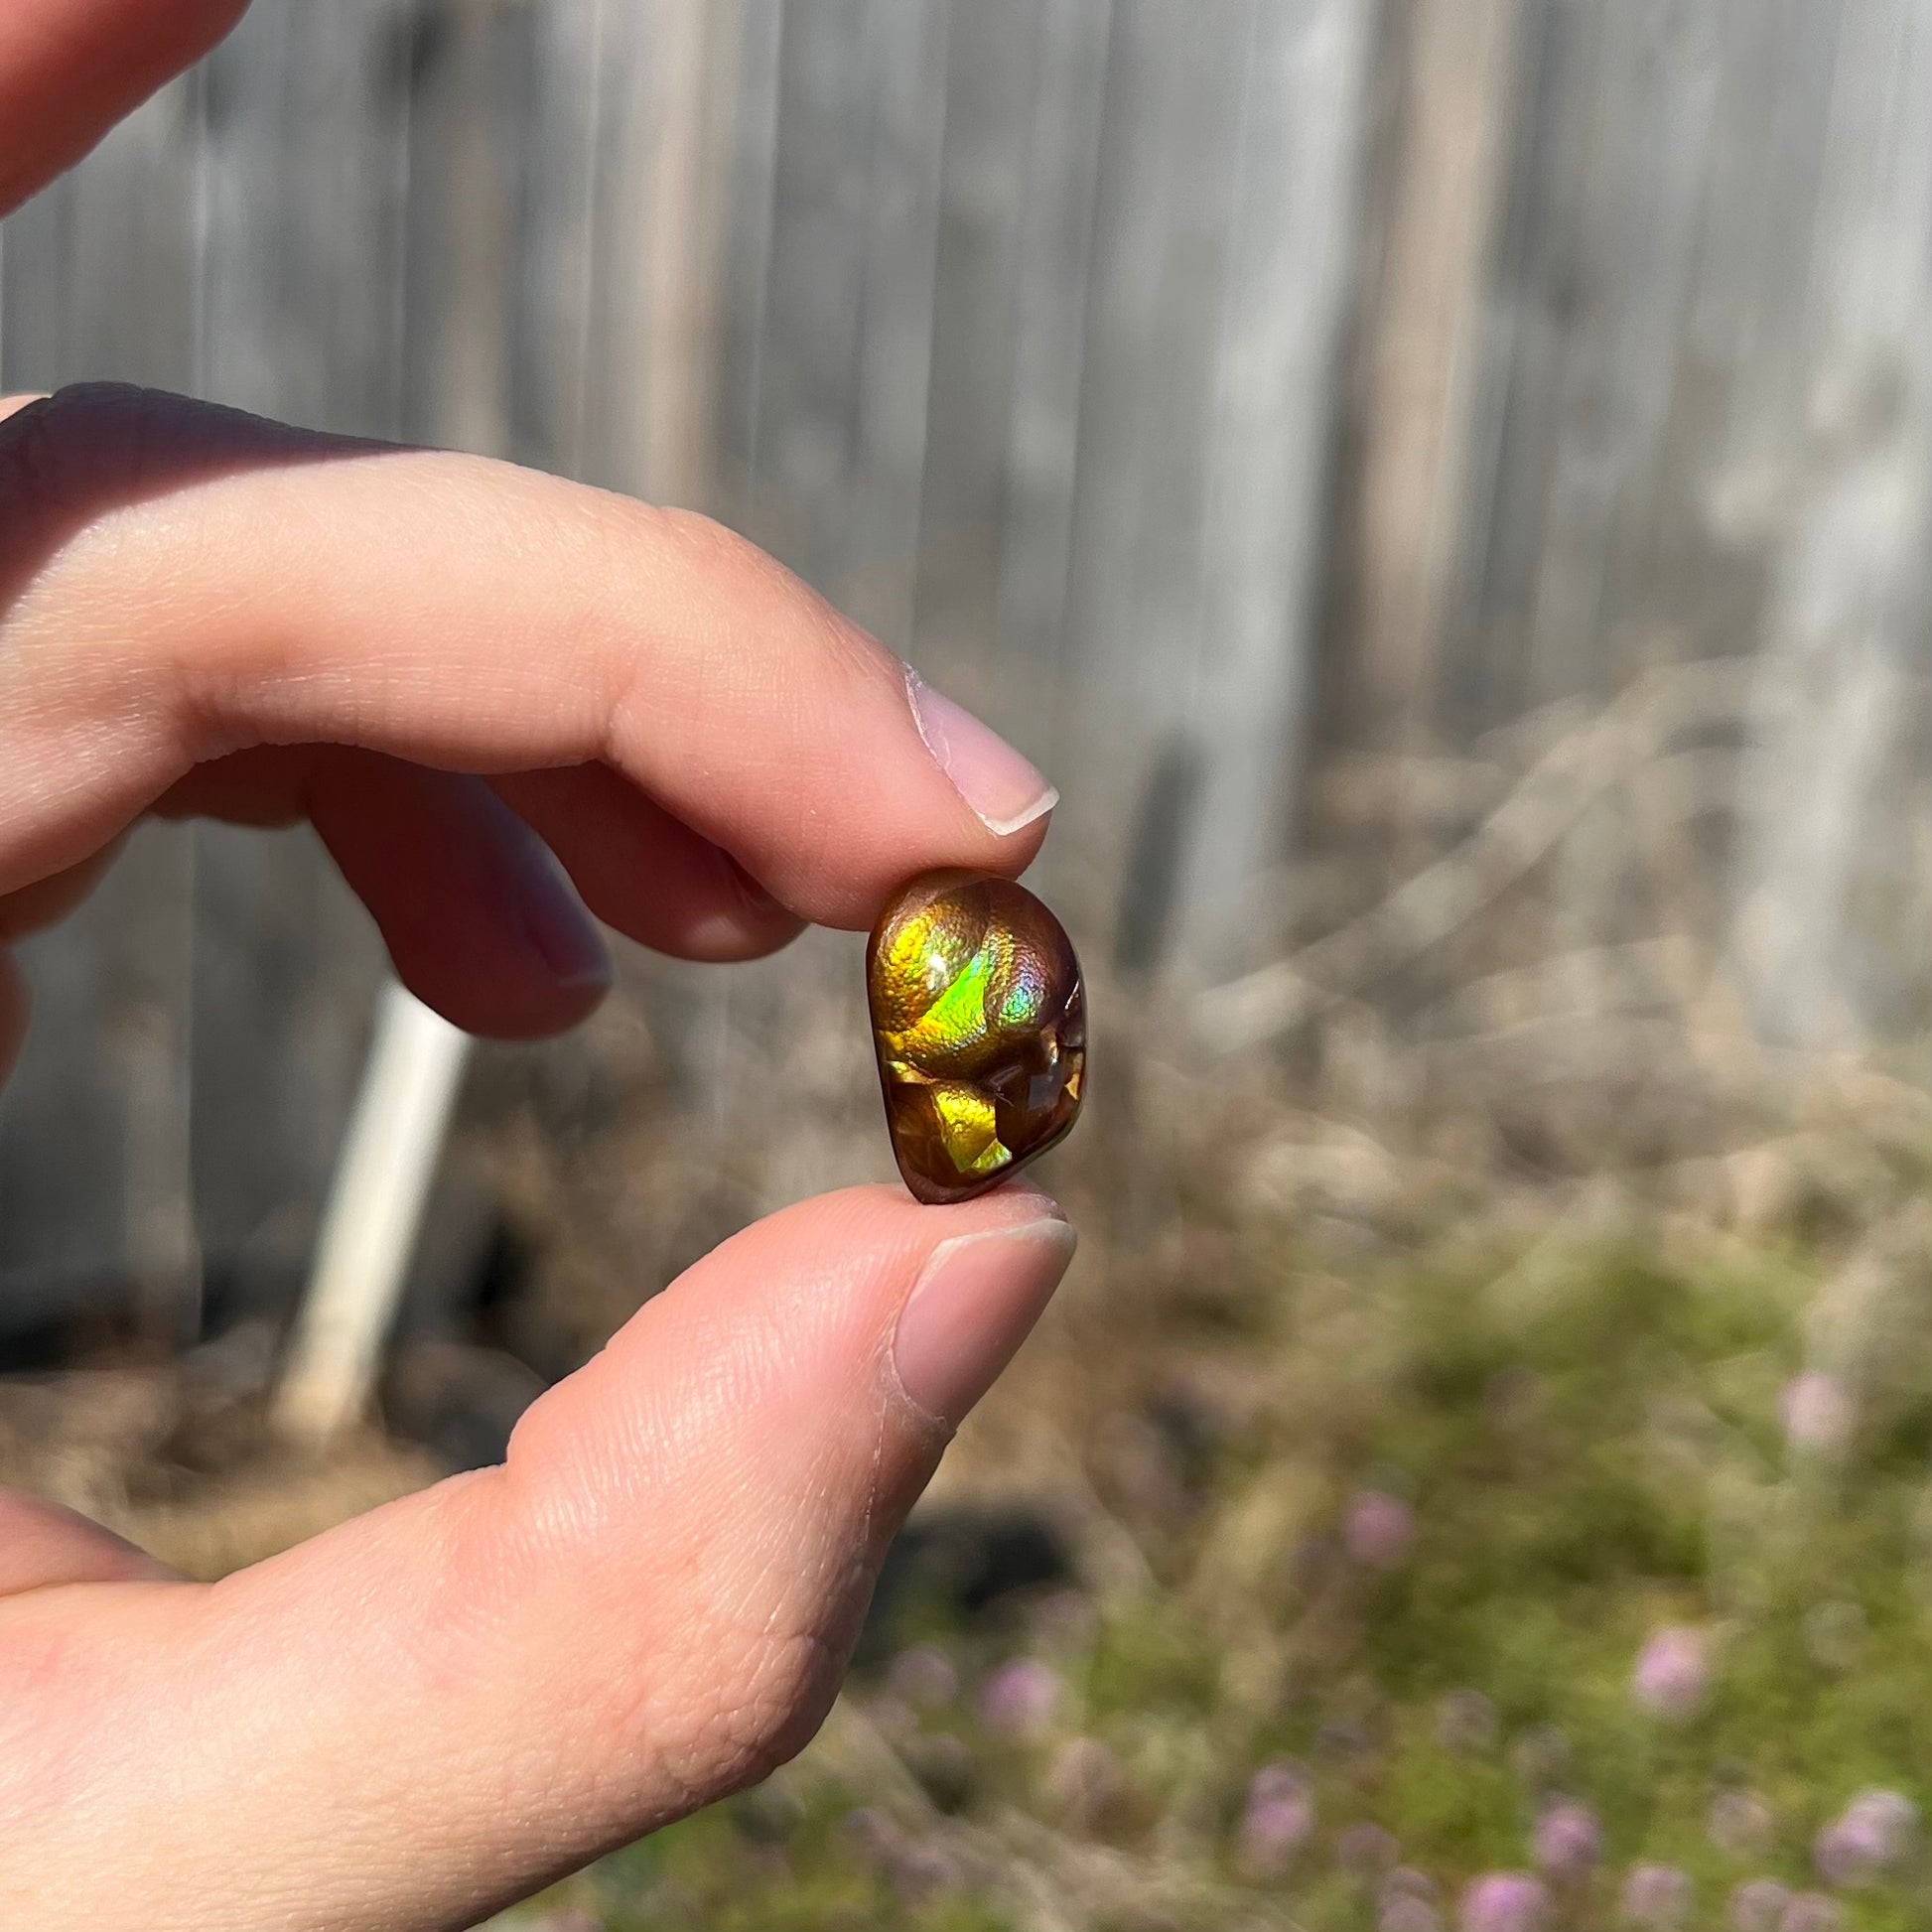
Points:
(435, 1710)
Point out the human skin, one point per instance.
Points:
(470, 677)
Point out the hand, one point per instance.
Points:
(450, 665)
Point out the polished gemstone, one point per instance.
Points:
(980, 1023)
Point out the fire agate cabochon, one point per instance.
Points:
(980, 1023)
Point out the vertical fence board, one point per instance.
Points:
(749, 192)
(1457, 65)
(1058, 218)
(1833, 899)
(306, 163)
(812, 328)
(1166, 172)
(1221, 281)
(982, 197)
(558, 128)
(1631, 258)
(1276, 356)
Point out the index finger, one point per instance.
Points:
(70, 69)
(179, 582)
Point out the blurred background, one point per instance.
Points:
(1444, 487)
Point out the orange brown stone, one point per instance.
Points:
(979, 1022)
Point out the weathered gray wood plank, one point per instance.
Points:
(305, 162)
(1057, 216)
(1277, 357)
(991, 77)
(1153, 300)
(847, 331)
(1454, 69)
(750, 214)
(1837, 818)
(1230, 174)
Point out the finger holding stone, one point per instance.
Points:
(179, 582)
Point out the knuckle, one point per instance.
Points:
(764, 1708)
(750, 1685)
(785, 611)
(741, 606)
(708, 542)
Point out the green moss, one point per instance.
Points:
(1152, 1658)
(1591, 1444)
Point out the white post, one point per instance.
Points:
(374, 1214)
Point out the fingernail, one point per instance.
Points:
(1003, 788)
(975, 1304)
(560, 930)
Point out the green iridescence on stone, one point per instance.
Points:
(959, 1012)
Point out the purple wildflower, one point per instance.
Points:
(1844, 1854)
(1281, 1777)
(1866, 1838)
(1405, 1901)
(1277, 1820)
(1656, 1896)
(1671, 1676)
(1378, 1530)
(1757, 1905)
(1890, 1817)
(1019, 1700)
(1811, 1911)
(1567, 1841)
(1506, 1901)
(1818, 1414)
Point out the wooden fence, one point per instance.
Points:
(1252, 406)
